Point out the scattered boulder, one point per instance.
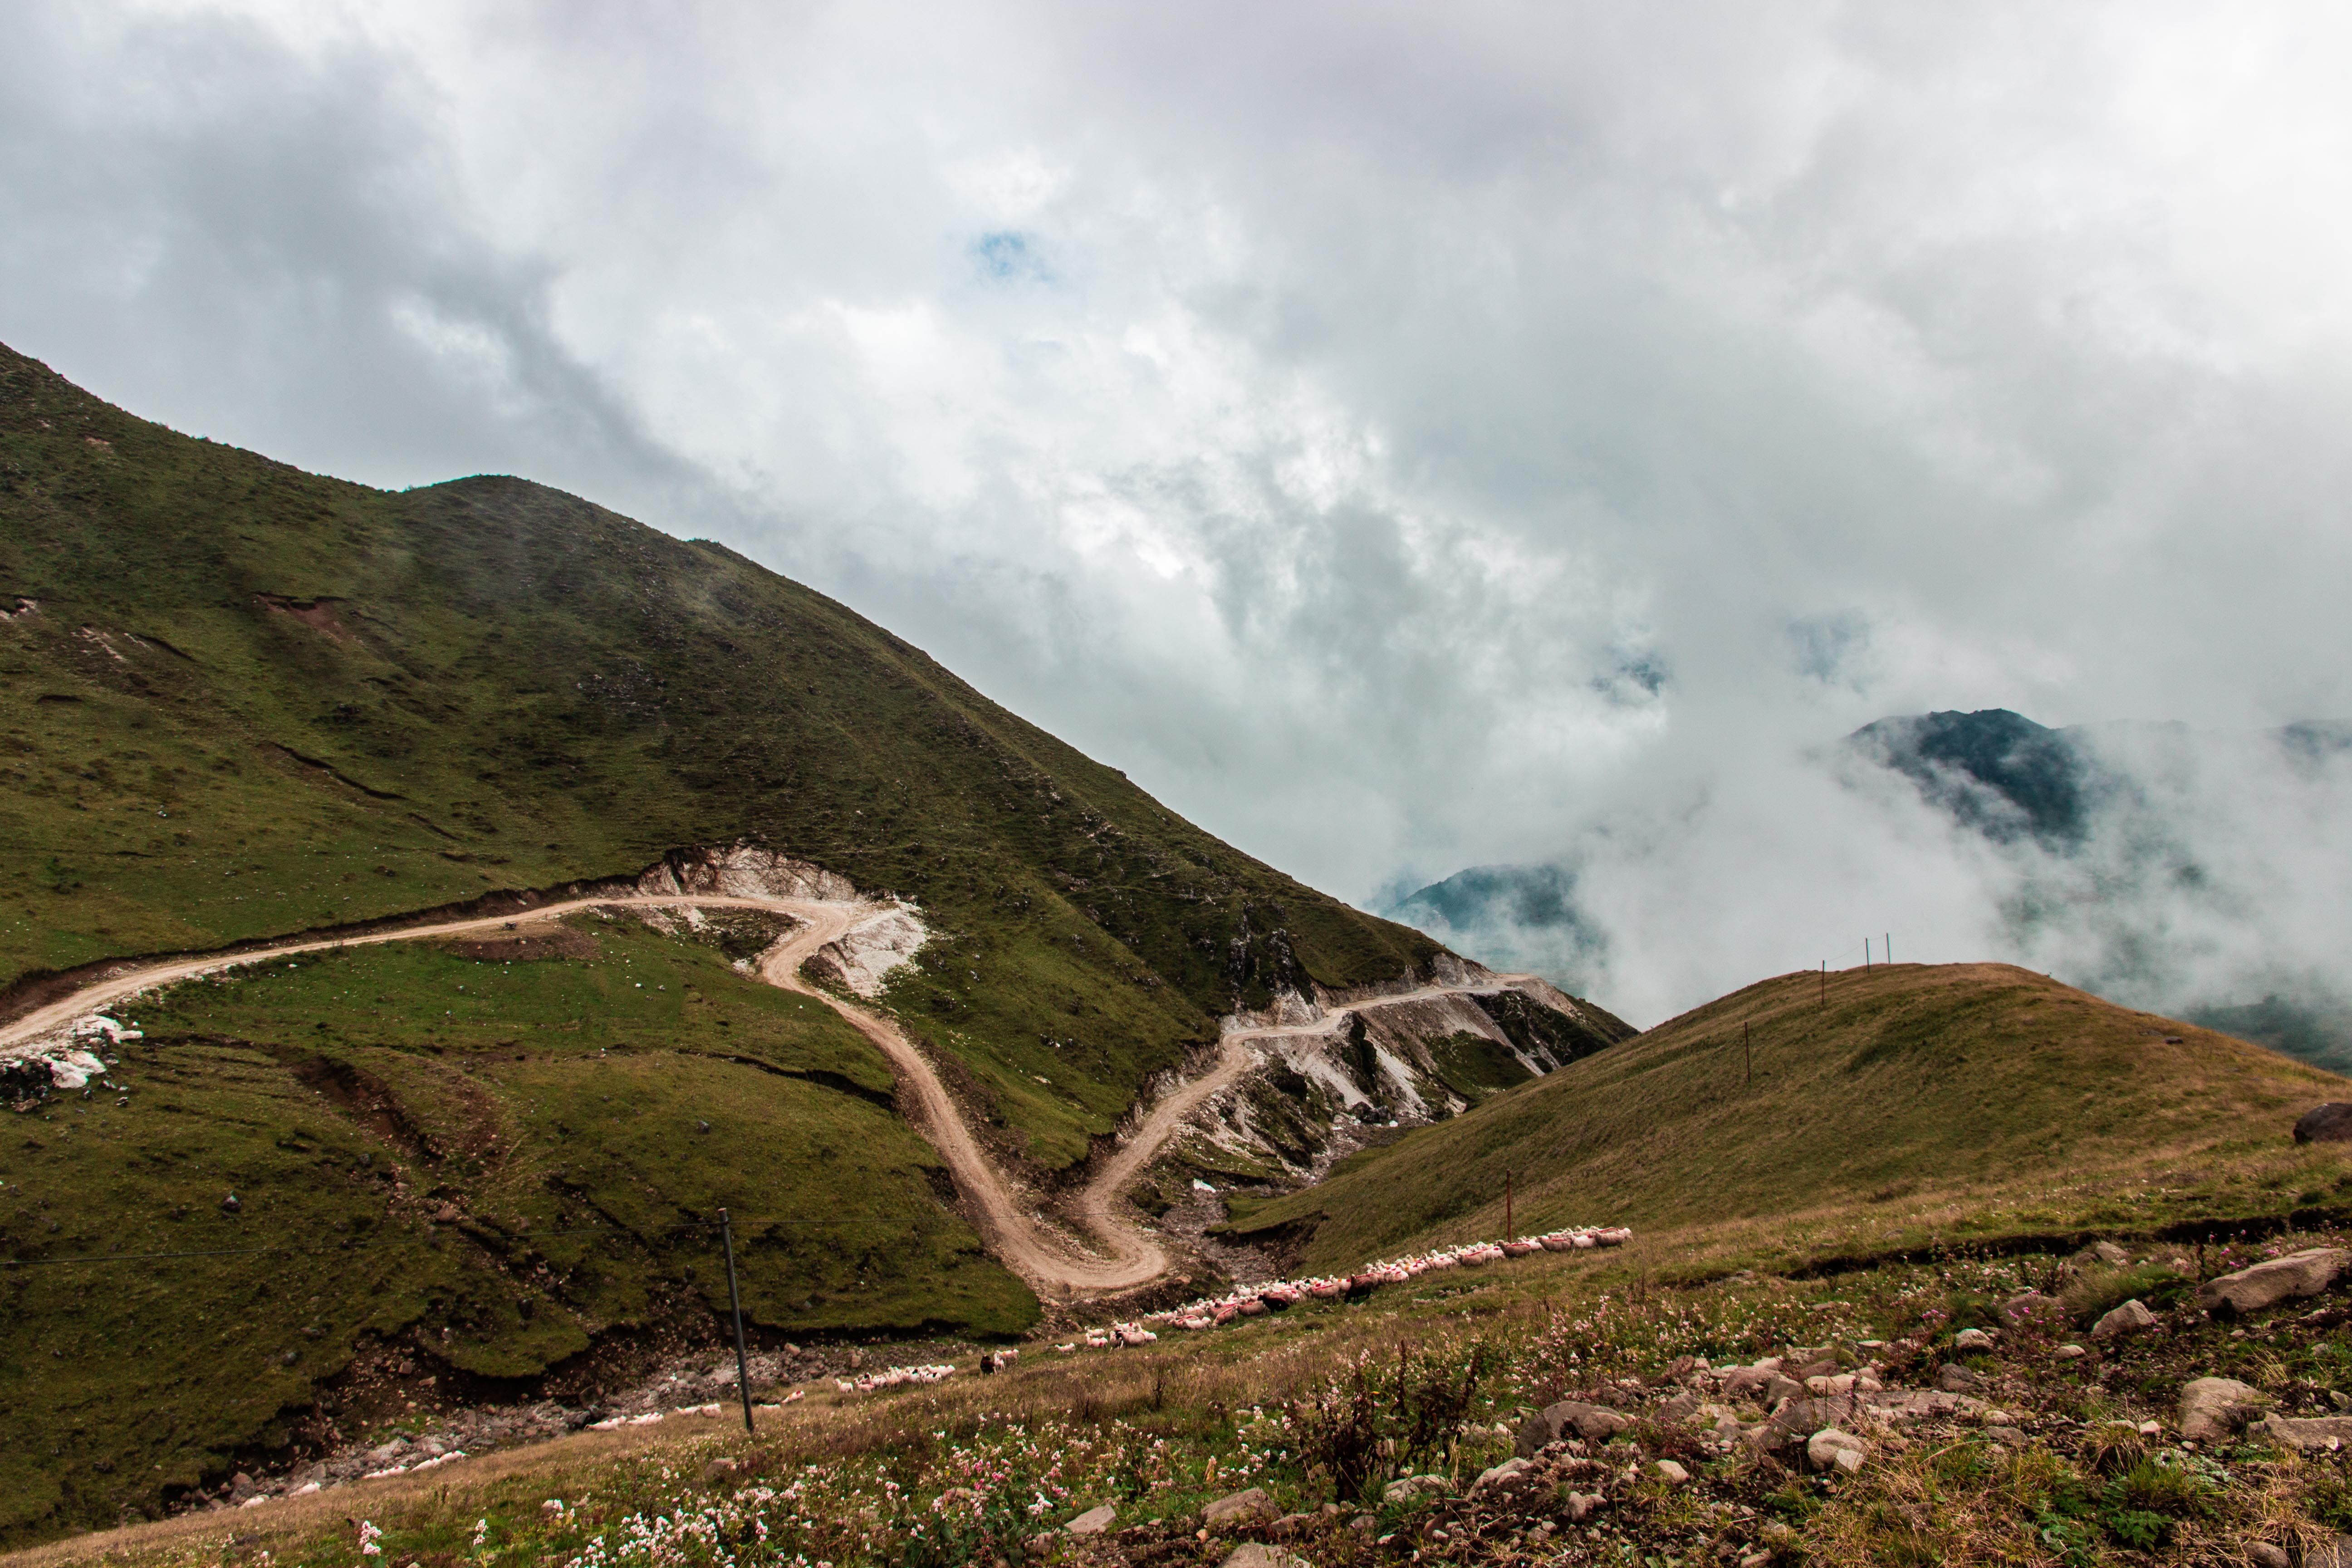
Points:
(1570, 1418)
(2133, 1317)
(1095, 1521)
(2108, 1253)
(1255, 1554)
(1239, 1508)
(1972, 1340)
(2262, 1554)
(1830, 1449)
(1581, 1504)
(1747, 1381)
(2330, 1123)
(2032, 1304)
(1780, 1387)
(1498, 1475)
(2335, 1553)
(2292, 1278)
(1668, 1471)
(2308, 1433)
(1954, 1378)
(2006, 1437)
(2070, 1353)
(2211, 1408)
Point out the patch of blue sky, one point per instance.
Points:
(1006, 255)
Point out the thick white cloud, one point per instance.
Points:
(1402, 436)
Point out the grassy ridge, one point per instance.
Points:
(496, 1183)
(1903, 1087)
(249, 701)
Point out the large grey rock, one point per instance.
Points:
(1569, 1418)
(1830, 1449)
(1238, 1507)
(2131, 1318)
(2330, 1123)
(2212, 1408)
(2292, 1278)
(2307, 1432)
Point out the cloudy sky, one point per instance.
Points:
(1402, 436)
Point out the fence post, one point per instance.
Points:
(735, 1306)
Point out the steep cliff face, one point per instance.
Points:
(1320, 1074)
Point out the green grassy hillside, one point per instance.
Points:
(1904, 1088)
(238, 701)
(490, 1162)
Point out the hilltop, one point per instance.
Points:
(1915, 1097)
(239, 700)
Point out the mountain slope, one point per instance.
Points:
(1905, 1081)
(241, 700)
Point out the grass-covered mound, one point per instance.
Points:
(1883, 1095)
(482, 1162)
(239, 700)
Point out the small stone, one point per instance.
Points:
(1972, 1340)
(1783, 1387)
(1497, 1475)
(1668, 1471)
(2108, 1253)
(2133, 1317)
(1251, 1504)
(2006, 1437)
(1954, 1378)
(2262, 1554)
(2069, 1352)
(1094, 1522)
(2308, 1434)
(1593, 1423)
(1582, 1504)
(1254, 1554)
(1830, 1449)
(230, 1205)
(2211, 1408)
(2298, 1275)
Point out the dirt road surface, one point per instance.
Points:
(1020, 1238)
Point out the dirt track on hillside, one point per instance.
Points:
(1018, 1237)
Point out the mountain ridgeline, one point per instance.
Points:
(243, 700)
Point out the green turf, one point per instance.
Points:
(490, 1160)
(1900, 1086)
(252, 701)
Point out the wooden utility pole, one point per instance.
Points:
(735, 1306)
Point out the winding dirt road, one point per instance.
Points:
(1018, 1237)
